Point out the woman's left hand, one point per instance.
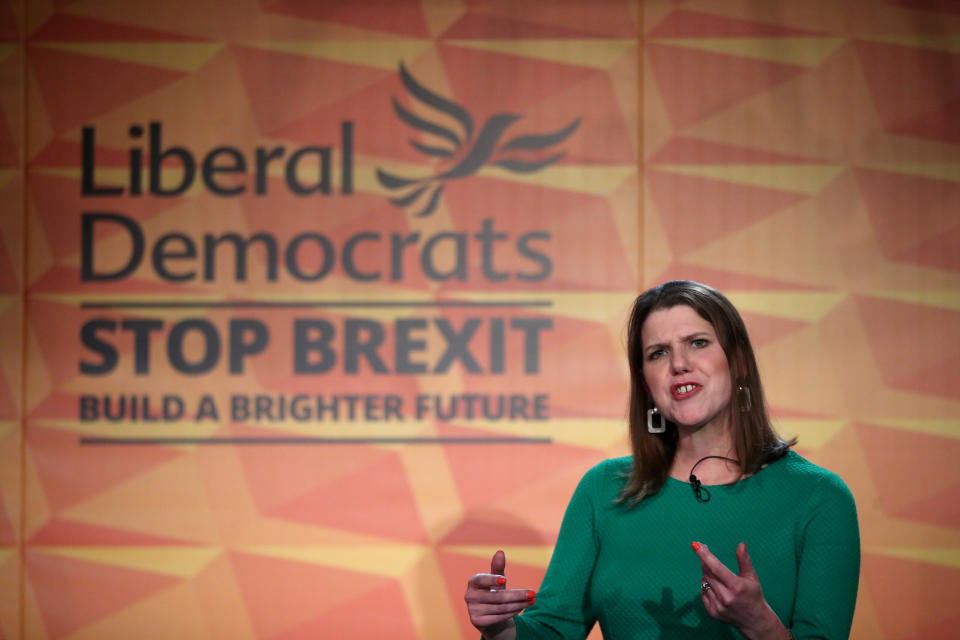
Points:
(737, 599)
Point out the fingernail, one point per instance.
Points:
(531, 595)
(695, 545)
(532, 600)
(501, 580)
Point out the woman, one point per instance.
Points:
(775, 542)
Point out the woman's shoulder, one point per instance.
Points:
(606, 476)
(601, 485)
(804, 475)
(611, 469)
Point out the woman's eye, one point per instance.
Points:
(699, 343)
(653, 355)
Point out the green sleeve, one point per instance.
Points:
(563, 608)
(829, 568)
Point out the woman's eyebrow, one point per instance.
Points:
(695, 334)
(658, 345)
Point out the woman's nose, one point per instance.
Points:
(678, 361)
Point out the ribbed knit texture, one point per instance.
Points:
(633, 570)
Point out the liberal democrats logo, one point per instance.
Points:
(466, 153)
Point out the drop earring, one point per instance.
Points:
(650, 426)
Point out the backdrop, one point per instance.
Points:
(309, 307)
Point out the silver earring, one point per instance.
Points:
(663, 423)
(747, 403)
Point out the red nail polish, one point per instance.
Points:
(532, 600)
(531, 595)
(695, 545)
(501, 580)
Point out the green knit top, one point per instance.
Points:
(633, 571)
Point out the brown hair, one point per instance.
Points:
(755, 441)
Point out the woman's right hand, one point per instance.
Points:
(491, 605)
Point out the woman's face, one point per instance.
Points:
(685, 367)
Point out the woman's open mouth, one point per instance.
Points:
(684, 390)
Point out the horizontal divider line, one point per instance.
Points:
(101, 441)
(301, 304)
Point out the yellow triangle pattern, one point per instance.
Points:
(595, 53)
(177, 56)
(423, 589)
(594, 306)
(601, 435)
(393, 560)
(118, 177)
(382, 54)
(7, 301)
(793, 305)
(935, 171)
(79, 298)
(180, 562)
(440, 14)
(532, 555)
(946, 557)
(384, 314)
(808, 179)
(806, 52)
(6, 175)
(185, 428)
(943, 298)
(7, 49)
(589, 433)
(945, 428)
(812, 433)
(938, 42)
(599, 307)
(593, 180)
(434, 491)
(345, 428)
(169, 315)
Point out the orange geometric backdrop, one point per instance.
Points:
(306, 308)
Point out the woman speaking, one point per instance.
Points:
(713, 528)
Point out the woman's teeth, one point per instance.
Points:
(686, 388)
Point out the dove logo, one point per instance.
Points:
(463, 152)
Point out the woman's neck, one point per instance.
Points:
(695, 444)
